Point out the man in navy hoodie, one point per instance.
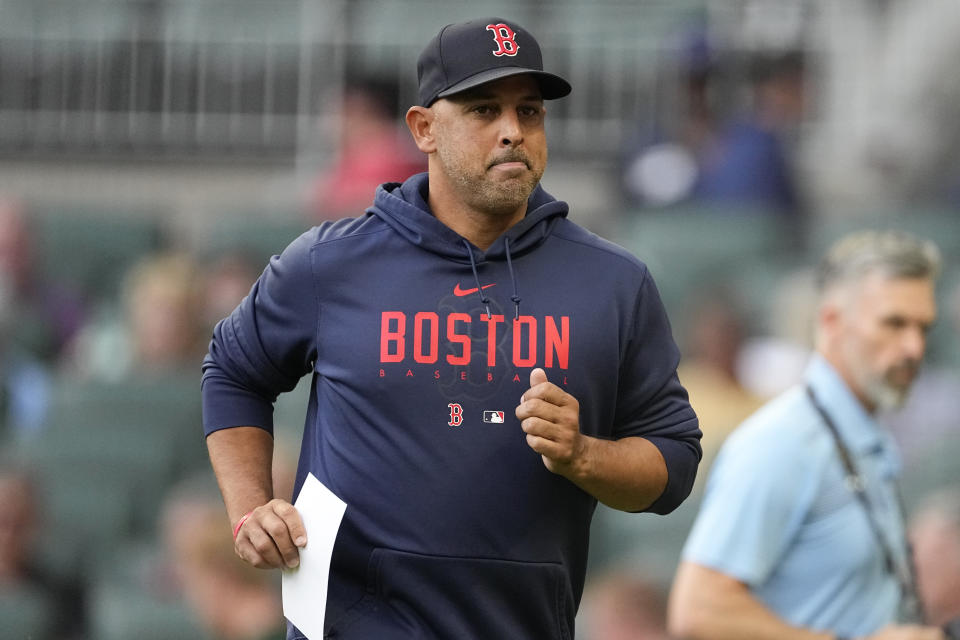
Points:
(484, 371)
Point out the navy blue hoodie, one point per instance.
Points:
(420, 346)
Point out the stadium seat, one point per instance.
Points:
(148, 410)
(92, 250)
(84, 516)
(118, 612)
(25, 613)
(254, 234)
(106, 457)
(692, 247)
(648, 542)
(938, 470)
(939, 225)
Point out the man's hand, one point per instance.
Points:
(627, 474)
(551, 419)
(908, 632)
(271, 536)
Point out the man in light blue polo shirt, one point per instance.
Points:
(800, 534)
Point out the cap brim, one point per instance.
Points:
(551, 86)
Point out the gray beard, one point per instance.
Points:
(887, 398)
(489, 197)
(503, 201)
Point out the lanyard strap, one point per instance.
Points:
(902, 572)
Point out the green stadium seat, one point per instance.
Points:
(92, 250)
(254, 235)
(119, 612)
(689, 248)
(649, 542)
(83, 516)
(149, 410)
(25, 613)
(106, 458)
(938, 470)
(939, 225)
(290, 410)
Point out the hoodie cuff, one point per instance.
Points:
(225, 406)
(682, 460)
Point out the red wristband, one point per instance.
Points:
(236, 529)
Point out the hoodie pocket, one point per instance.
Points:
(411, 595)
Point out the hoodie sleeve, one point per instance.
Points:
(265, 346)
(651, 401)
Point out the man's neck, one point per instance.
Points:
(849, 381)
(481, 228)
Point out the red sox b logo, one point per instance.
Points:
(506, 40)
(456, 414)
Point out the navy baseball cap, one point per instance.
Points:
(466, 54)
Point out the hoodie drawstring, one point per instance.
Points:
(513, 279)
(476, 277)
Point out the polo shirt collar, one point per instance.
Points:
(859, 430)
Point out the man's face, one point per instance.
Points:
(491, 144)
(880, 334)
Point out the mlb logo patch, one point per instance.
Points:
(493, 416)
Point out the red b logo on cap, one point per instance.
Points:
(505, 37)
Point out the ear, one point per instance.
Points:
(420, 122)
(829, 316)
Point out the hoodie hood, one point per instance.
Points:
(404, 207)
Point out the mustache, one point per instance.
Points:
(910, 367)
(511, 156)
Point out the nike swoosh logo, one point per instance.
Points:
(457, 291)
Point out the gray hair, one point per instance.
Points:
(895, 254)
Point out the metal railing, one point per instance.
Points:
(216, 78)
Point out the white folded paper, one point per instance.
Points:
(305, 587)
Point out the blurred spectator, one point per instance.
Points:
(372, 149)
(935, 534)
(160, 330)
(749, 162)
(46, 316)
(622, 606)
(707, 157)
(18, 520)
(189, 583)
(162, 304)
(800, 528)
(230, 599)
(226, 281)
(660, 168)
(22, 580)
(709, 371)
(24, 380)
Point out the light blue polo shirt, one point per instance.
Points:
(778, 516)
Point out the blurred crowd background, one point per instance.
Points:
(155, 153)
